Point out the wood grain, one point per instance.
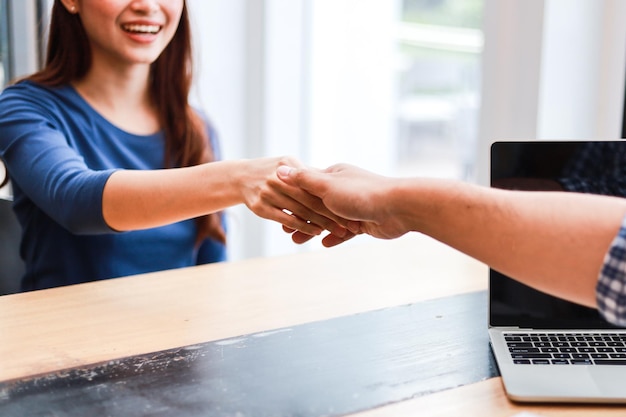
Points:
(326, 368)
(482, 399)
(55, 329)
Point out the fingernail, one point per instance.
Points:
(284, 171)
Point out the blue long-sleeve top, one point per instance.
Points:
(59, 153)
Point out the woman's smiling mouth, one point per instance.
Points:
(141, 29)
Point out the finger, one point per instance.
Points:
(354, 227)
(330, 222)
(289, 221)
(331, 240)
(296, 236)
(270, 204)
(305, 207)
(324, 222)
(300, 238)
(307, 188)
(288, 229)
(291, 231)
(311, 210)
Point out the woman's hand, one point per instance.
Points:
(300, 212)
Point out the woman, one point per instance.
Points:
(86, 142)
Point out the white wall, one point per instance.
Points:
(294, 77)
(220, 38)
(250, 81)
(553, 69)
(582, 69)
(513, 33)
(352, 87)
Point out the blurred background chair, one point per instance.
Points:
(11, 265)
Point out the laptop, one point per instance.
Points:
(548, 349)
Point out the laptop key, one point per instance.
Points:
(524, 350)
(531, 339)
(610, 361)
(568, 350)
(599, 356)
(531, 355)
(519, 345)
(581, 362)
(512, 338)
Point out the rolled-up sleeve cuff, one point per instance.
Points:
(611, 287)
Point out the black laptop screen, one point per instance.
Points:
(591, 167)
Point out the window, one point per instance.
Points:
(4, 43)
(4, 73)
(390, 85)
(399, 80)
(21, 42)
(440, 46)
(396, 86)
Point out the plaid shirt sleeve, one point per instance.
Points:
(611, 287)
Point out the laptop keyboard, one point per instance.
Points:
(567, 348)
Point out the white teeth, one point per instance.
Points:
(151, 29)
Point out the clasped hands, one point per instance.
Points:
(342, 199)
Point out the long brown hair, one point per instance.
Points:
(187, 143)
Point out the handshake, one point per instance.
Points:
(343, 200)
(530, 236)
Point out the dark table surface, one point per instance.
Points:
(327, 368)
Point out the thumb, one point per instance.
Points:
(297, 177)
(287, 174)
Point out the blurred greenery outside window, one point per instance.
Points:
(4, 50)
(440, 44)
(4, 44)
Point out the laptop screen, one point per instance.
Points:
(591, 167)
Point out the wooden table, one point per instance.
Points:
(72, 327)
